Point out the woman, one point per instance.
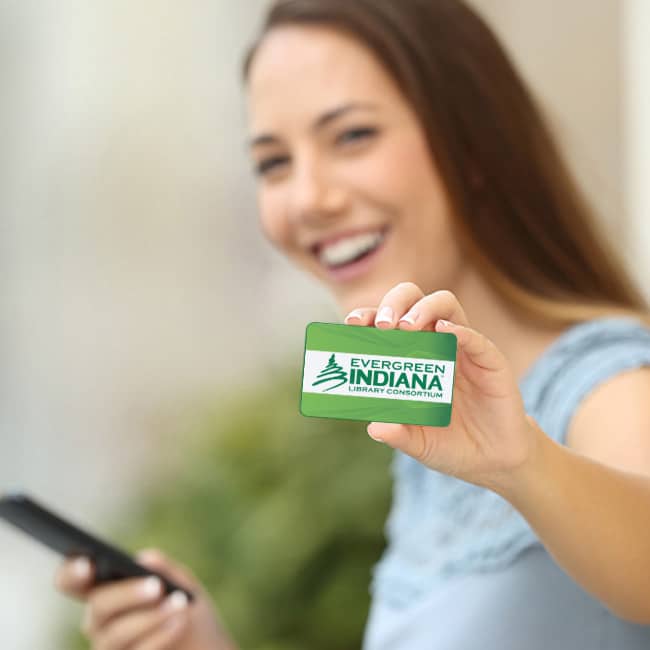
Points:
(403, 164)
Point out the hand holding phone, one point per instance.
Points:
(41, 523)
(119, 613)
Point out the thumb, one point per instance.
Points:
(156, 560)
(409, 438)
(75, 576)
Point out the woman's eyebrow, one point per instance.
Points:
(335, 113)
(322, 121)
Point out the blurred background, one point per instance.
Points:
(137, 292)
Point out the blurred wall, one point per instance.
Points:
(130, 257)
(636, 93)
(570, 52)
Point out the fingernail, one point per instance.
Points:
(445, 323)
(81, 567)
(355, 314)
(177, 600)
(410, 317)
(385, 315)
(151, 587)
(377, 438)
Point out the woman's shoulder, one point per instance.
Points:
(598, 336)
(584, 356)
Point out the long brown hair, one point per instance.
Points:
(518, 211)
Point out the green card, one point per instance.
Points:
(352, 372)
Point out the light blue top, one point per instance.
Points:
(463, 569)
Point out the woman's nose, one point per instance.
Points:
(315, 194)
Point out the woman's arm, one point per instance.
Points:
(594, 519)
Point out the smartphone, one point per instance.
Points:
(111, 563)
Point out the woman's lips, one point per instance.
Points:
(356, 269)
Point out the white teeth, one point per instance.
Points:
(345, 250)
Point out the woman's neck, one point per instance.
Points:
(520, 341)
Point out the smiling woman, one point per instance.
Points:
(347, 178)
(365, 145)
(404, 165)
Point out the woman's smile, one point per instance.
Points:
(347, 187)
(348, 258)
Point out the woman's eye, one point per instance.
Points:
(356, 135)
(269, 164)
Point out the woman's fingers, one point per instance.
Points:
(406, 307)
(398, 300)
(412, 439)
(396, 303)
(361, 316)
(488, 370)
(157, 561)
(75, 577)
(107, 601)
(167, 637)
(427, 310)
(475, 345)
(142, 625)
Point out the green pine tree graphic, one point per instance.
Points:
(332, 372)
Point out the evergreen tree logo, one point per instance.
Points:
(331, 372)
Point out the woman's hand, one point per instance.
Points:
(133, 613)
(490, 438)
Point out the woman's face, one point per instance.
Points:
(344, 168)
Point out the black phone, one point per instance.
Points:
(111, 563)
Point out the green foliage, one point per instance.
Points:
(280, 516)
